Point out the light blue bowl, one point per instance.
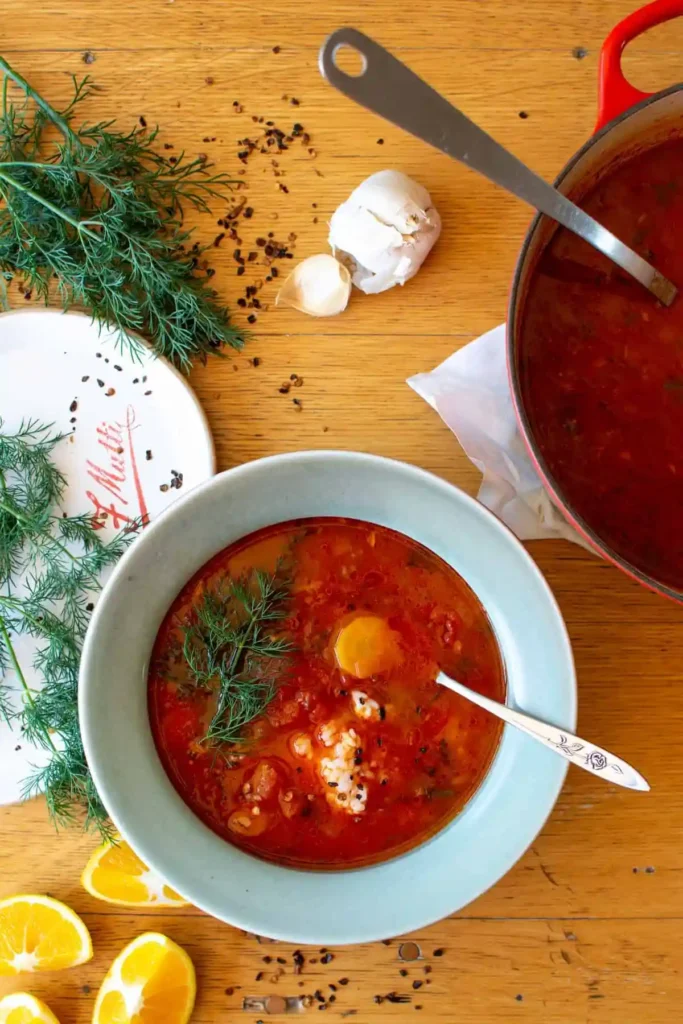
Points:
(432, 881)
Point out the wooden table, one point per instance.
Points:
(587, 927)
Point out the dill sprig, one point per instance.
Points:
(50, 567)
(232, 650)
(97, 216)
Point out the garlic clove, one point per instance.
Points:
(319, 286)
(384, 230)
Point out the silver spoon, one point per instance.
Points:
(390, 89)
(587, 756)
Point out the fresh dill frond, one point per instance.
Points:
(97, 217)
(232, 650)
(50, 568)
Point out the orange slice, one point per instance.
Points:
(116, 874)
(38, 933)
(152, 981)
(22, 1008)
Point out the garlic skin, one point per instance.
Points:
(319, 286)
(384, 230)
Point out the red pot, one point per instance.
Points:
(628, 121)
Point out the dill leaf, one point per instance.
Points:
(50, 567)
(232, 650)
(98, 218)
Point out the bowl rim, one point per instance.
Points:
(88, 713)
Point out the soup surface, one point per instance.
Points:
(359, 755)
(601, 368)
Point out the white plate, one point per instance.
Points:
(318, 907)
(129, 425)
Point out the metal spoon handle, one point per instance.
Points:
(580, 752)
(388, 88)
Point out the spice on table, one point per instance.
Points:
(409, 950)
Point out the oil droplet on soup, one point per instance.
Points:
(360, 755)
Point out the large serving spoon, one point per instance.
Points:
(387, 87)
(368, 645)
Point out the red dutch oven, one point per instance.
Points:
(628, 120)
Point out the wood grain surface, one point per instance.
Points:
(587, 926)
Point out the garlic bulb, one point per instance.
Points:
(384, 230)
(320, 286)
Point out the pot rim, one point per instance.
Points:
(511, 339)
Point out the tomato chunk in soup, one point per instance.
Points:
(360, 755)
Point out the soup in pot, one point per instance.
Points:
(601, 368)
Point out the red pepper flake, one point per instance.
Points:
(143, 122)
(439, 952)
(73, 406)
(295, 102)
(251, 319)
(276, 49)
(209, 80)
(148, 455)
(380, 142)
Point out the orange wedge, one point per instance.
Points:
(22, 1008)
(38, 933)
(116, 874)
(151, 982)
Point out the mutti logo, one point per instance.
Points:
(118, 496)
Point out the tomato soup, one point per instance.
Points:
(357, 754)
(601, 368)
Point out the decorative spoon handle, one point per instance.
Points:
(573, 748)
(390, 89)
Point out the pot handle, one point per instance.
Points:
(615, 94)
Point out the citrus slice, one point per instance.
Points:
(38, 933)
(22, 1008)
(116, 874)
(152, 981)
